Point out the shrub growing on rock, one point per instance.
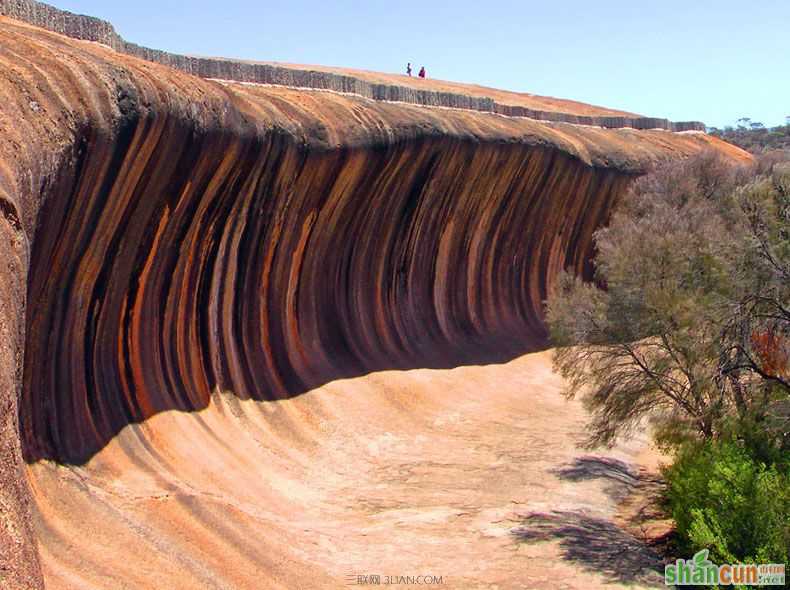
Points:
(724, 498)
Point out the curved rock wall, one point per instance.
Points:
(173, 264)
(93, 29)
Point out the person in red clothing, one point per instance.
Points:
(422, 72)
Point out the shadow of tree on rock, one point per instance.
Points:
(594, 543)
(621, 480)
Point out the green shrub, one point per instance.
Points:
(725, 500)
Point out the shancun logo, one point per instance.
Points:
(700, 570)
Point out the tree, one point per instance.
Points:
(689, 275)
(756, 338)
(754, 136)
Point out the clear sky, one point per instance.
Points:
(708, 60)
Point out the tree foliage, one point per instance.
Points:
(726, 500)
(687, 321)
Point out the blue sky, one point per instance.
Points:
(709, 60)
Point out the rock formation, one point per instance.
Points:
(167, 237)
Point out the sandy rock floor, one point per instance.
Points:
(470, 474)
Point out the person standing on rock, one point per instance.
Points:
(408, 69)
(422, 72)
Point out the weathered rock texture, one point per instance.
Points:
(360, 83)
(166, 237)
